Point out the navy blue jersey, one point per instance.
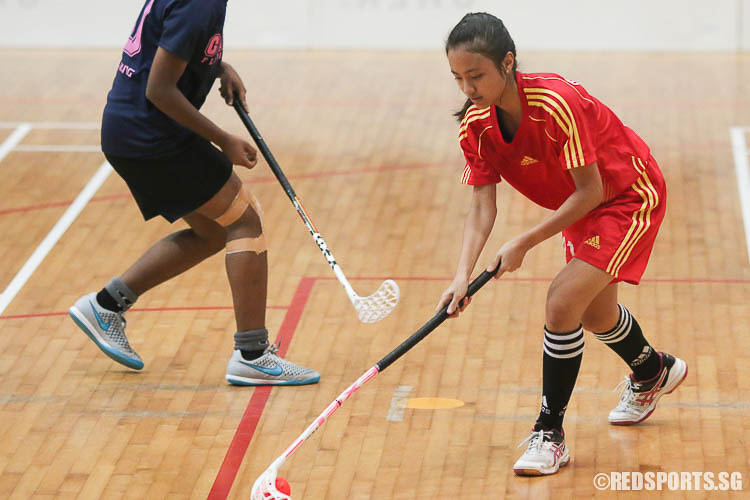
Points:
(132, 127)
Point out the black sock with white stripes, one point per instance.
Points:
(563, 353)
(627, 340)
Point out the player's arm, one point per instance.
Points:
(162, 91)
(231, 84)
(477, 228)
(587, 196)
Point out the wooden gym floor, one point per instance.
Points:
(369, 144)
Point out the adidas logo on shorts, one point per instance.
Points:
(593, 241)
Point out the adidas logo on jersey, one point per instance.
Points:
(528, 160)
(594, 242)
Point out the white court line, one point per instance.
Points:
(54, 125)
(398, 403)
(58, 148)
(742, 167)
(14, 138)
(54, 235)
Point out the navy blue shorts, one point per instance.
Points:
(177, 185)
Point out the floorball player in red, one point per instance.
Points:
(563, 149)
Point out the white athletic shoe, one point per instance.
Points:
(638, 400)
(106, 328)
(269, 369)
(546, 453)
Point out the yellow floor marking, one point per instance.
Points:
(433, 403)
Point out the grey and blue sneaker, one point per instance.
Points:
(269, 369)
(106, 328)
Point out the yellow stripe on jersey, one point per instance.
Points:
(479, 140)
(638, 169)
(557, 101)
(559, 79)
(473, 109)
(566, 148)
(467, 174)
(472, 112)
(462, 132)
(640, 225)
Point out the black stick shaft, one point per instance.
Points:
(428, 327)
(255, 133)
(433, 323)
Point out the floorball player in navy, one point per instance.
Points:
(159, 142)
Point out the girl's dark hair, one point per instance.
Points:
(484, 34)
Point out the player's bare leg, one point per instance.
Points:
(254, 361)
(247, 271)
(101, 315)
(175, 253)
(654, 373)
(569, 295)
(602, 313)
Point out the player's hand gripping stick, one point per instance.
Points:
(369, 309)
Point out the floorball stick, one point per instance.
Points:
(369, 309)
(264, 487)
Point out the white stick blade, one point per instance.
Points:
(264, 488)
(380, 304)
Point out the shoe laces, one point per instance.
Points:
(273, 348)
(122, 322)
(627, 394)
(535, 440)
(118, 333)
(290, 369)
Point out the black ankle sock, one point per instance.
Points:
(539, 426)
(251, 355)
(563, 353)
(106, 301)
(627, 340)
(251, 343)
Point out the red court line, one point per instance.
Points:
(138, 309)
(54, 204)
(246, 428)
(259, 180)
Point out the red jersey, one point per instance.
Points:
(562, 127)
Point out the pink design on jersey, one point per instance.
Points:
(133, 45)
(214, 49)
(126, 70)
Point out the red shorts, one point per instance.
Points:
(618, 235)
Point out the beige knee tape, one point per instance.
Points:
(256, 206)
(239, 205)
(254, 245)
